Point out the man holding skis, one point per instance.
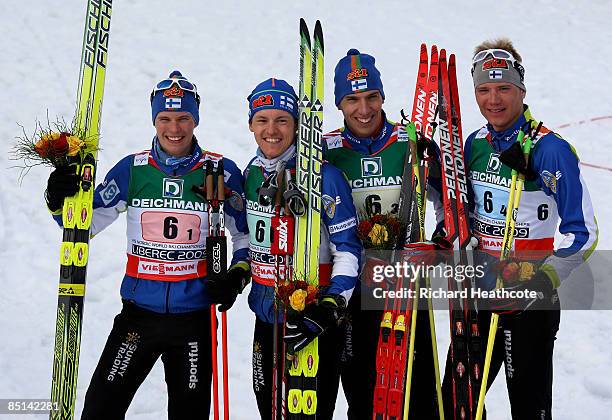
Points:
(273, 114)
(166, 296)
(370, 150)
(554, 194)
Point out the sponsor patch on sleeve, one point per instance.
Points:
(347, 224)
(109, 192)
(141, 159)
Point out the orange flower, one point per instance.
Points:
(297, 300)
(52, 145)
(74, 145)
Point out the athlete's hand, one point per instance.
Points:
(540, 283)
(224, 292)
(515, 159)
(316, 318)
(63, 182)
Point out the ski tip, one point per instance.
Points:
(318, 34)
(451, 60)
(423, 47)
(442, 54)
(304, 28)
(434, 49)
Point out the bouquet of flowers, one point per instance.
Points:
(296, 295)
(54, 145)
(380, 231)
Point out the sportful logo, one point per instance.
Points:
(494, 164)
(173, 188)
(371, 166)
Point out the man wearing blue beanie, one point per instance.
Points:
(273, 117)
(165, 291)
(370, 150)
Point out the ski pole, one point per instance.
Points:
(213, 309)
(514, 198)
(221, 232)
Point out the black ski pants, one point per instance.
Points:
(524, 343)
(138, 338)
(358, 369)
(328, 376)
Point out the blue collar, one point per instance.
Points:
(369, 145)
(172, 164)
(501, 140)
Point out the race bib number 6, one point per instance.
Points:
(175, 228)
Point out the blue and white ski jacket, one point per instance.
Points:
(558, 197)
(167, 226)
(340, 249)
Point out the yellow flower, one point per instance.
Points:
(297, 300)
(378, 235)
(74, 145)
(527, 271)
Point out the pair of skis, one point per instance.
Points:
(465, 351)
(395, 351)
(301, 373)
(77, 211)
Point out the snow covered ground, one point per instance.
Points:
(226, 48)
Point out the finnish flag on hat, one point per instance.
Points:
(173, 103)
(359, 84)
(495, 74)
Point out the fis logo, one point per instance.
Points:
(371, 166)
(494, 164)
(173, 188)
(550, 180)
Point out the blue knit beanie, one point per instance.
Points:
(356, 73)
(177, 94)
(273, 94)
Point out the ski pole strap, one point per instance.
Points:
(293, 197)
(268, 189)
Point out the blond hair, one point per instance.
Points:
(499, 43)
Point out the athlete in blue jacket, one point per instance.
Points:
(272, 119)
(555, 197)
(166, 297)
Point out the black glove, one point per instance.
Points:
(540, 283)
(63, 182)
(515, 159)
(225, 292)
(315, 319)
